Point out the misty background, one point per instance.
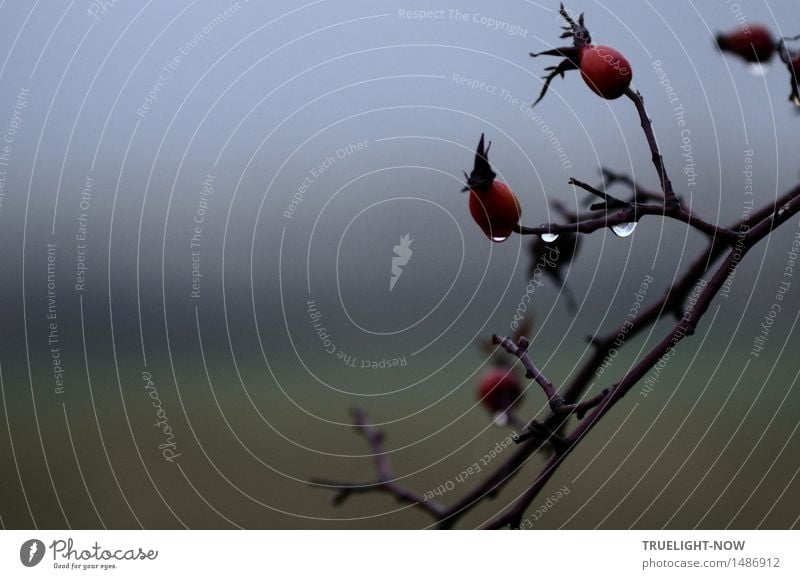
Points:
(181, 180)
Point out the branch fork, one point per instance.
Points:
(386, 481)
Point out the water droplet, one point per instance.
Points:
(796, 100)
(549, 237)
(499, 239)
(758, 69)
(501, 419)
(783, 209)
(624, 229)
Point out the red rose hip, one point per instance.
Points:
(754, 44)
(500, 391)
(605, 70)
(492, 204)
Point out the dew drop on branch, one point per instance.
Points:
(758, 69)
(549, 237)
(499, 238)
(624, 229)
(501, 419)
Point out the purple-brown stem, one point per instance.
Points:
(633, 212)
(611, 177)
(610, 202)
(658, 160)
(557, 404)
(386, 479)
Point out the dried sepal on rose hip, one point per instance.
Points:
(492, 204)
(791, 59)
(604, 69)
(753, 44)
(500, 391)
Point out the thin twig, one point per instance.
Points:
(520, 350)
(658, 160)
(557, 403)
(535, 440)
(639, 193)
(541, 432)
(386, 479)
(610, 202)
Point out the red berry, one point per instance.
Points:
(754, 44)
(493, 206)
(605, 70)
(496, 210)
(499, 390)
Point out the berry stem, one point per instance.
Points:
(658, 161)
